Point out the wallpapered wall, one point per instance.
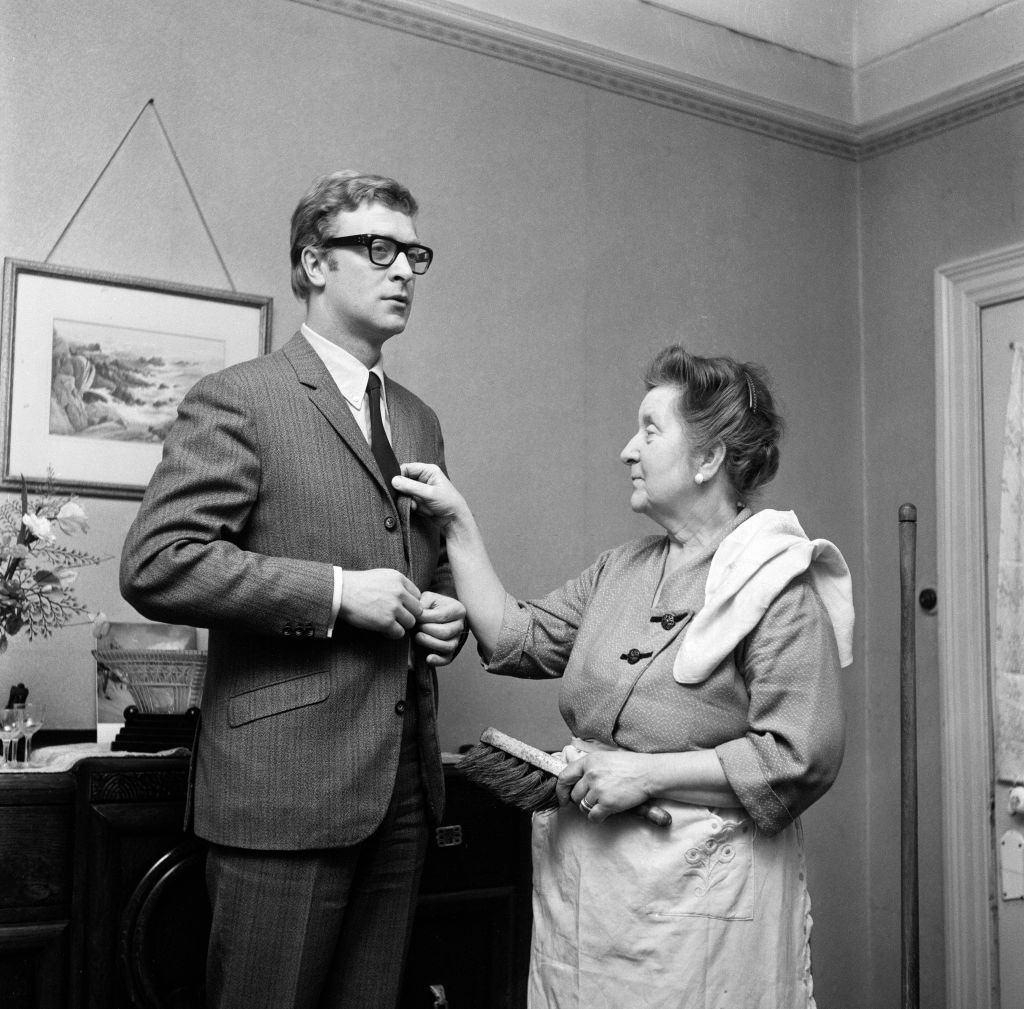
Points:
(576, 233)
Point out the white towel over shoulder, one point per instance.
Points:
(753, 564)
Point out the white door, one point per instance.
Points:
(1001, 327)
(973, 909)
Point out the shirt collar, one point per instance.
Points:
(349, 374)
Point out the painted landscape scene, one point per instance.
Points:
(121, 384)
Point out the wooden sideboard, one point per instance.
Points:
(36, 870)
(102, 904)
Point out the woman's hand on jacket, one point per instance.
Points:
(476, 583)
(431, 492)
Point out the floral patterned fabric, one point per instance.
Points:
(1008, 650)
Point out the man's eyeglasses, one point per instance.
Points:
(384, 251)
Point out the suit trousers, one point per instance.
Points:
(320, 929)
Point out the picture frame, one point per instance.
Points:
(93, 366)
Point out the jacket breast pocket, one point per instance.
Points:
(277, 698)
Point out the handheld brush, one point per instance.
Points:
(524, 776)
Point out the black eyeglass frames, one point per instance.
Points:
(384, 251)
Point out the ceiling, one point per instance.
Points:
(852, 33)
(850, 61)
(847, 76)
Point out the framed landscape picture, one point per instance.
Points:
(93, 367)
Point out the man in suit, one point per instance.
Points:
(271, 520)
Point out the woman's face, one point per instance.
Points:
(661, 459)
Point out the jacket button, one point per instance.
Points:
(400, 707)
(633, 656)
(390, 524)
(668, 621)
(288, 630)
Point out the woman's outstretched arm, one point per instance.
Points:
(476, 582)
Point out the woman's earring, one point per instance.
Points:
(699, 478)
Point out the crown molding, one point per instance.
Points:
(599, 67)
(946, 111)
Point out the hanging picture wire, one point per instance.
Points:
(150, 105)
(93, 365)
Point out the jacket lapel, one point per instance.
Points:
(324, 395)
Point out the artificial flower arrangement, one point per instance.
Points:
(36, 572)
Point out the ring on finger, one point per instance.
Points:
(586, 805)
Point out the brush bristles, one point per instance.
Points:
(512, 780)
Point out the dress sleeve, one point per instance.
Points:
(536, 637)
(793, 746)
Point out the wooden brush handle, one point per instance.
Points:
(517, 748)
(555, 765)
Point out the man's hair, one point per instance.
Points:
(344, 190)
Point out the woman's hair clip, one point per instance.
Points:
(751, 394)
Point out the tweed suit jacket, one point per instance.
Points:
(266, 482)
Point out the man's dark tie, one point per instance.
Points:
(379, 444)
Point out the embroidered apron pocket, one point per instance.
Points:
(707, 869)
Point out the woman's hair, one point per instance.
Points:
(723, 400)
(344, 190)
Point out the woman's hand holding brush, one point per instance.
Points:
(526, 777)
(605, 782)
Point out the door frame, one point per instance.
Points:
(962, 290)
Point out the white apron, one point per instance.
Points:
(706, 914)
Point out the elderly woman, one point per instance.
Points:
(700, 668)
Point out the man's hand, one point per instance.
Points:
(381, 600)
(440, 627)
